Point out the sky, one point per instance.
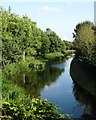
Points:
(61, 17)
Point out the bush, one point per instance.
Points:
(35, 109)
(12, 69)
(37, 64)
(11, 92)
(53, 57)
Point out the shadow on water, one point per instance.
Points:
(82, 91)
(34, 82)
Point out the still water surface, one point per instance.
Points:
(61, 92)
(56, 84)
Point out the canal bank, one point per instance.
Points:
(83, 76)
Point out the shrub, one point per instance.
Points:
(35, 109)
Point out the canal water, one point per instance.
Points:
(56, 85)
(67, 95)
(61, 93)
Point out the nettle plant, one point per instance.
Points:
(32, 109)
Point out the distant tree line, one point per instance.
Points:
(85, 42)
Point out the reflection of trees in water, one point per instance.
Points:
(34, 81)
(87, 101)
(84, 98)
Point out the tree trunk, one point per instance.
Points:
(23, 56)
(24, 78)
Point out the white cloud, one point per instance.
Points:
(47, 9)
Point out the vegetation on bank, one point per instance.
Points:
(26, 46)
(85, 42)
(85, 56)
(32, 109)
(16, 104)
(23, 41)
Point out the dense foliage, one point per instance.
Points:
(21, 38)
(85, 42)
(68, 45)
(34, 109)
(56, 42)
(25, 46)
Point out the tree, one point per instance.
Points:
(45, 43)
(84, 41)
(21, 38)
(56, 44)
(9, 9)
